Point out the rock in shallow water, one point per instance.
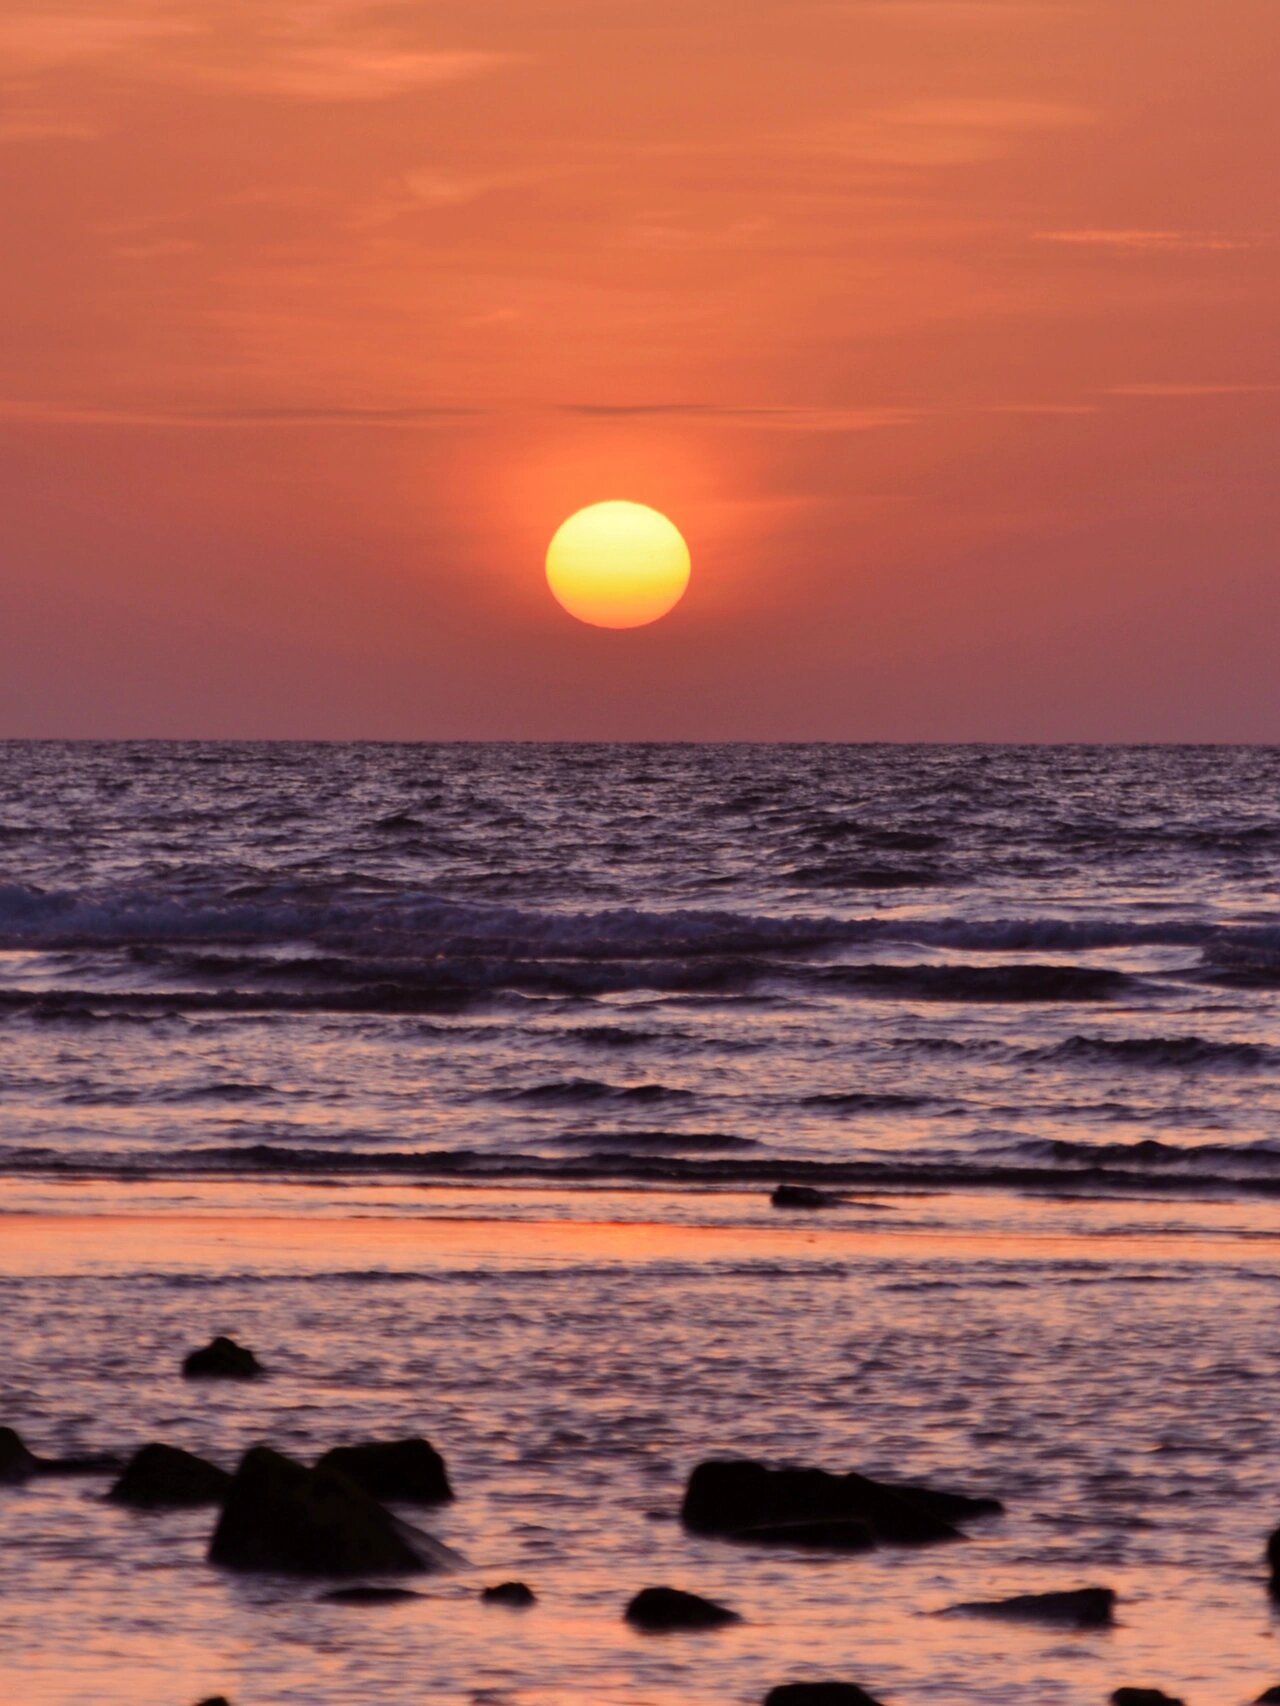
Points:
(410, 1471)
(754, 1501)
(1075, 1608)
(819, 1694)
(367, 1596)
(159, 1476)
(280, 1515)
(803, 1196)
(1143, 1697)
(509, 1593)
(670, 1608)
(222, 1359)
(17, 1464)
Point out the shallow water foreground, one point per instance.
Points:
(1110, 1370)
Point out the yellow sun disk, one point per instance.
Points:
(618, 565)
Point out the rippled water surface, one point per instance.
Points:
(455, 1079)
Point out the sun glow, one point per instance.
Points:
(618, 565)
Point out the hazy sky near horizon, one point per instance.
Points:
(945, 330)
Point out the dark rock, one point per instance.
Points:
(1078, 1608)
(819, 1694)
(161, 1475)
(754, 1501)
(837, 1534)
(669, 1608)
(803, 1196)
(1271, 1696)
(367, 1596)
(280, 1515)
(105, 1463)
(509, 1593)
(222, 1359)
(17, 1464)
(1143, 1697)
(407, 1470)
(214, 1700)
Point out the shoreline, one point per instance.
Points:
(62, 1229)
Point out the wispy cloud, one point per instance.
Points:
(781, 418)
(45, 124)
(40, 40)
(1148, 242)
(943, 132)
(312, 53)
(1184, 388)
(87, 414)
(340, 72)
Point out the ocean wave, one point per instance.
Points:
(1104, 1170)
(378, 919)
(1021, 982)
(572, 1092)
(849, 874)
(1175, 1053)
(865, 1101)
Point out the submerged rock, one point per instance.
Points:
(754, 1501)
(222, 1359)
(367, 1596)
(161, 1475)
(819, 1694)
(803, 1196)
(1269, 1698)
(670, 1608)
(410, 1471)
(1143, 1697)
(509, 1593)
(1076, 1608)
(17, 1464)
(280, 1515)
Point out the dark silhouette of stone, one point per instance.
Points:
(280, 1515)
(819, 1694)
(1143, 1697)
(222, 1359)
(669, 1608)
(1077, 1608)
(837, 1534)
(104, 1463)
(157, 1476)
(409, 1471)
(367, 1596)
(509, 1593)
(1270, 1698)
(17, 1464)
(214, 1700)
(803, 1196)
(754, 1501)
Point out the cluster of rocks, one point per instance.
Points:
(330, 1520)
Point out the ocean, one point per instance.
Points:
(456, 1080)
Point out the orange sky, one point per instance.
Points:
(946, 330)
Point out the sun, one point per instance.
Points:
(618, 565)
